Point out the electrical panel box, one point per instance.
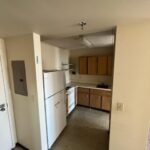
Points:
(19, 77)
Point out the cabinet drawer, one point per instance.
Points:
(95, 101)
(106, 103)
(95, 92)
(100, 92)
(106, 93)
(83, 99)
(84, 90)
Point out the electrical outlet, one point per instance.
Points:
(120, 106)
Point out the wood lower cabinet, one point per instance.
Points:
(83, 97)
(95, 101)
(94, 98)
(106, 103)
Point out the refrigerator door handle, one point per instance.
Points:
(57, 104)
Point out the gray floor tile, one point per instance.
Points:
(87, 130)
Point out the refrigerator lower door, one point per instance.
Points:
(55, 116)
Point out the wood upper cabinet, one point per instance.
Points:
(106, 102)
(92, 65)
(110, 65)
(102, 65)
(83, 65)
(83, 97)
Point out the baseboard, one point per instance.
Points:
(93, 108)
(20, 145)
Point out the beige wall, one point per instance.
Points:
(94, 79)
(25, 107)
(129, 128)
(7, 90)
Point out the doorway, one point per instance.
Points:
(5, 132)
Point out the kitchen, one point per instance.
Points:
(88, 83)
(98, 88)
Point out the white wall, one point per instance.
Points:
(93, 79)
(53, 57)
(8, 91)
(50, 57)
(26, 107)
(131, 87)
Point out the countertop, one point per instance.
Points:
(87, 85)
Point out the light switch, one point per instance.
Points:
(120, 106)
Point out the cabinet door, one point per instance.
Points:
(92, 65)
(83, 65)
(71, 97)
(51, 121)
(61, 112)
(110, 65)
(106, 103)
(83, 99)
(95, 101)
(102, 65)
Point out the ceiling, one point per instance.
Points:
(60, 18)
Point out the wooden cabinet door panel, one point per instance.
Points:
(110, 65)
(92, 65)
(83, 99)
(95, 101)
(83, 65)
(102, 65)
(106, 103)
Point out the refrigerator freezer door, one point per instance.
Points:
(53, 83)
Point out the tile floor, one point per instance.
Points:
(87, 130)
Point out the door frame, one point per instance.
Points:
(110, 116)
(3, 63)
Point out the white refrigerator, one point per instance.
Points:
(55, 104)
